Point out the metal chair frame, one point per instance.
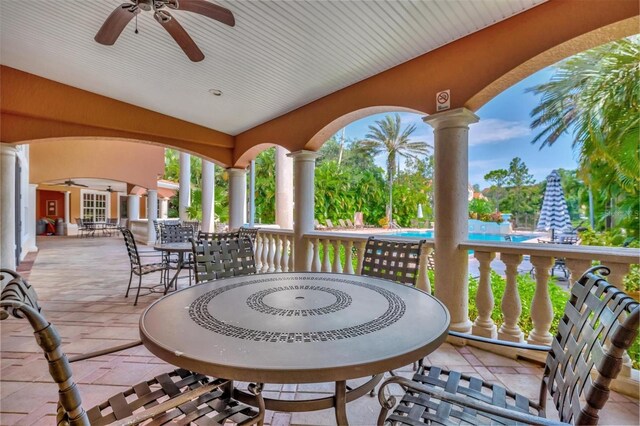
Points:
(393, 260)
(215, 259)
(177, 396)
(137, 267)
(600, 322)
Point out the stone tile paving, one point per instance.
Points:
(81, 285)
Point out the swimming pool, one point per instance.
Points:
(515, 238)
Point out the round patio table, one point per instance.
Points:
(296, 328)
(180, 249)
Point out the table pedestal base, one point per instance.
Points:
(338, 401)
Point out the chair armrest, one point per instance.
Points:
(463, 401)
(163, 407)
(506, 343)
(107, 351)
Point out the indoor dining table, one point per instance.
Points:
(296, 328)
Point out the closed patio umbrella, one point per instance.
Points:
(554, 215)
(420, 215)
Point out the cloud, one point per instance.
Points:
(495, 130)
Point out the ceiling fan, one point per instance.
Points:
(109, 189)
(122, 15)
(69, 182)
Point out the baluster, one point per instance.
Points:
(576, 267)
(484, 325)
(423, 275)
(284, 261)
(337, 266)
(616, 277)
(265, 253)
(278, 254)
(360, 253)
(541, 309)
(272, 252)
(326, 259)
(315, 266)
(348, 257)
(511, 307)
(257, 250)
(292, 251)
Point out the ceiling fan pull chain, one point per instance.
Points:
(136, 31)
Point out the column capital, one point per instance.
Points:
(152, 190)
(234, 171)
(9, 150)
(304, 155)
(459, 117)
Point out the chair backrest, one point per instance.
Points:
(600, 322)
(175, 233)
(132, 248)
(194, 224)
(217, 236)
(251, 233)
(349, 223)
(214, 259)
(329, 223)
(342, 223)
(393, 260)
(19, 299)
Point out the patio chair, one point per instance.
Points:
(600, 322)
(342, 223)
(217, 236)
(83, 228)
(176, 396)
(215, 259)
(349, 223)
(329, 224)
(251, 233)
(317, 226)
(194, 224)
(393, 260)
(137, 267)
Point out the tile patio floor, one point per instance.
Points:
(81, 284)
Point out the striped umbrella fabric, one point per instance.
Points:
(554, 214)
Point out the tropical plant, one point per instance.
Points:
(388, 137)
(594, 96)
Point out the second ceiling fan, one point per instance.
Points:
(123, 14)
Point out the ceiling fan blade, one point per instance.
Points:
(178, 33)
(81, 185)
(115, 23)
(209, 10)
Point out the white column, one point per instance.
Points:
(185, 185)
(284, 188)
(67, 208)
(451, 151)
(304, 163)
(31, 218)
(8, 207)
(208, 195)
(237, 198)
(133, 207)
(152, 214)
(164, 208)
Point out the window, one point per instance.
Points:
(95, 206)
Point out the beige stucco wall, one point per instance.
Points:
(132, 162)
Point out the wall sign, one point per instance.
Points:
(443, 100)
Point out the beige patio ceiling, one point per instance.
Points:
(279, 56)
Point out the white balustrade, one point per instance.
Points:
(274, 250)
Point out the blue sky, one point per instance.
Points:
(502, 134)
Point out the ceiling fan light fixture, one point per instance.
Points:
(215, 92)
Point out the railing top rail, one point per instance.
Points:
(277, 231)
(360, 237)
(610, 254)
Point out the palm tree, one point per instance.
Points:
(387, 136)
(594, 96)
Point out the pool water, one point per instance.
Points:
(472, 236)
